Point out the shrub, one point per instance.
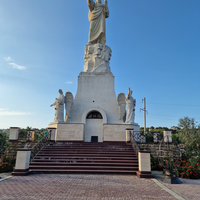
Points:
(7, 165)
(187, 171)
(155, 165)
(189, 133)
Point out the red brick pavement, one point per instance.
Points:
(187, 191)
(91, 187)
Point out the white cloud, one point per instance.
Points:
(15, 66)
(7, 112)
(2, 109)
(7, 58)
(69, 82)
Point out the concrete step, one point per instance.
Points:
(84, 171)
(82, 167)
(32, 164)
(85, 157)
(79, 160)
(80, 157)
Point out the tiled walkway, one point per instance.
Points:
(187, 191)
(91, 187)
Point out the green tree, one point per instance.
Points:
(165, 128)
(189, 133)
(3, 139)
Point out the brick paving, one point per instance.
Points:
(187, 191)
(91, 187)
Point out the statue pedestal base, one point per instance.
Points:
(77, 132)
(68, 132)
(97, 57)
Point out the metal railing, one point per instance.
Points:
(134, 144)
(146, 138)
(22, 135)
(139, 136)
(40, 145)
(27, 136)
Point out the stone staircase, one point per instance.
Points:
(81, 157)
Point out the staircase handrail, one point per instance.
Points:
(134, 144)
(35, 150)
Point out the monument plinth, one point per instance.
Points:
(95, 111)
(97, 58)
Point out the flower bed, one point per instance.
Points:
(188, 167)
(7, 164)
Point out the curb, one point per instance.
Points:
(167, 190)
(3, 179)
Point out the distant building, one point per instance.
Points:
(174, 127)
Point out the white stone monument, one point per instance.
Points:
(96, 111)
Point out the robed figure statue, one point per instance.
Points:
(130, 103)
(59, 107)
(97, 14)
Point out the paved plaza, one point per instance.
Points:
(94, 187)
(186, 190)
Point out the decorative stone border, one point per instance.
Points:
(167, 190)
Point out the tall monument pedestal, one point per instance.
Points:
(95, 93)
(94, 112)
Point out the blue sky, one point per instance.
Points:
(155, 51)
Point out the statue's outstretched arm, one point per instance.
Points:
(54, 104)
(91, 4)
(106, 9)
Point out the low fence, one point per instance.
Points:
(30, 136)
(146, 138)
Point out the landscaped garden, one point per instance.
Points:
(7, 163)
(189, 165)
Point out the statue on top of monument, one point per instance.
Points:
(130, 103)
(97, 14)
(59, 107)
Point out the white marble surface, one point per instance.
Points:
(95, 90)
(68, 105)
(14, 132)
(130, 108)
(117, 132)
(97, 58)
(121, 101)
(67, 132)
(59, 107)
(93, 127)
(97, 14)
(22, 160)
(144, 162)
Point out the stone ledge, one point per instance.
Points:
(144, 174)
(21, 172)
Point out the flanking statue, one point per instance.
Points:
(121, 101)
(130, 106)
(59, 107)
(97, 14)
(68, 104)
